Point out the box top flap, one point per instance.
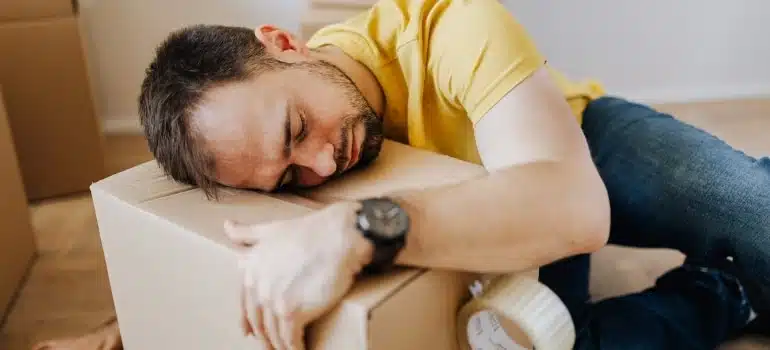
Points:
(141, 183)
(12, 10)
(146, 188)
(371, 291)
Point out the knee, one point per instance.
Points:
(737, 209)
(722, 203)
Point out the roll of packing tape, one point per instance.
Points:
(515, 312)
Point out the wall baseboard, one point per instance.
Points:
(697, 94)
(125, 125)
(131, 125)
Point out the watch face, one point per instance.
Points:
(383, 218)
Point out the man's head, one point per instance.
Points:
(252, 109)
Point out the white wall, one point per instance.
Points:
(653, 50)
(657, 50)
(121, 36)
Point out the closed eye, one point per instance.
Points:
(302, 127)
(288, 178)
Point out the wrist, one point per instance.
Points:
(361, 248)
(383, 223)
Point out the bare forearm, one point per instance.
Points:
(513, 220)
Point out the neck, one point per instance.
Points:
(361, 76)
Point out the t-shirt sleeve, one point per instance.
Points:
(477, 53)
(370, 36)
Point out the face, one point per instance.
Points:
(293, 127)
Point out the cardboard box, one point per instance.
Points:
(174, 274)
(15, 10)
(17, 242)
(49, 103)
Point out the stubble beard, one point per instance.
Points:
(371, 146)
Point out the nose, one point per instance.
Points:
(320, 162)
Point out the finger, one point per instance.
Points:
(270, 320)
(245, 323)
(258, 326)
(253, 308)
(292, 333)
(242, 233)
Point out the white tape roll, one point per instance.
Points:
(515, 312)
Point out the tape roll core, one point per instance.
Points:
(515, 312)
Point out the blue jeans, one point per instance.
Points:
(672, 185)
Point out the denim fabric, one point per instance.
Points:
(672, 185)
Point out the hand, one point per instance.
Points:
(296, 270)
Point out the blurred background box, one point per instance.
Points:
(17, 243)
(12, 10)
(48, 97)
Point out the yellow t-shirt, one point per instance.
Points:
(442, 65)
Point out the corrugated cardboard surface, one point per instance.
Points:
(17, 244)
(174, 275)
(14, 10)
(50, 107)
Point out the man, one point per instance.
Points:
(569, 170)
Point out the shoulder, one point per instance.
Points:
(371, 36)
(479, 51)
(473, 50)
(380, 30)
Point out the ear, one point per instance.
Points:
(277, 40)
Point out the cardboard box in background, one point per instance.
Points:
(17, 242)
(174, 274)
(48, 98)
(13, 10)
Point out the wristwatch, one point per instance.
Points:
(385, 224)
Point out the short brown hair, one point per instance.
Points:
(188, 63)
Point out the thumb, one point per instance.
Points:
(242, 233)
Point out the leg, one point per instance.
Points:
(569, 279)
(672, 185)
(688, 308)
(667, 189)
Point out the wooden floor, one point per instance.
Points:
(67, 291)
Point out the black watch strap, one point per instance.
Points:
(383, 257)
(384, 223)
